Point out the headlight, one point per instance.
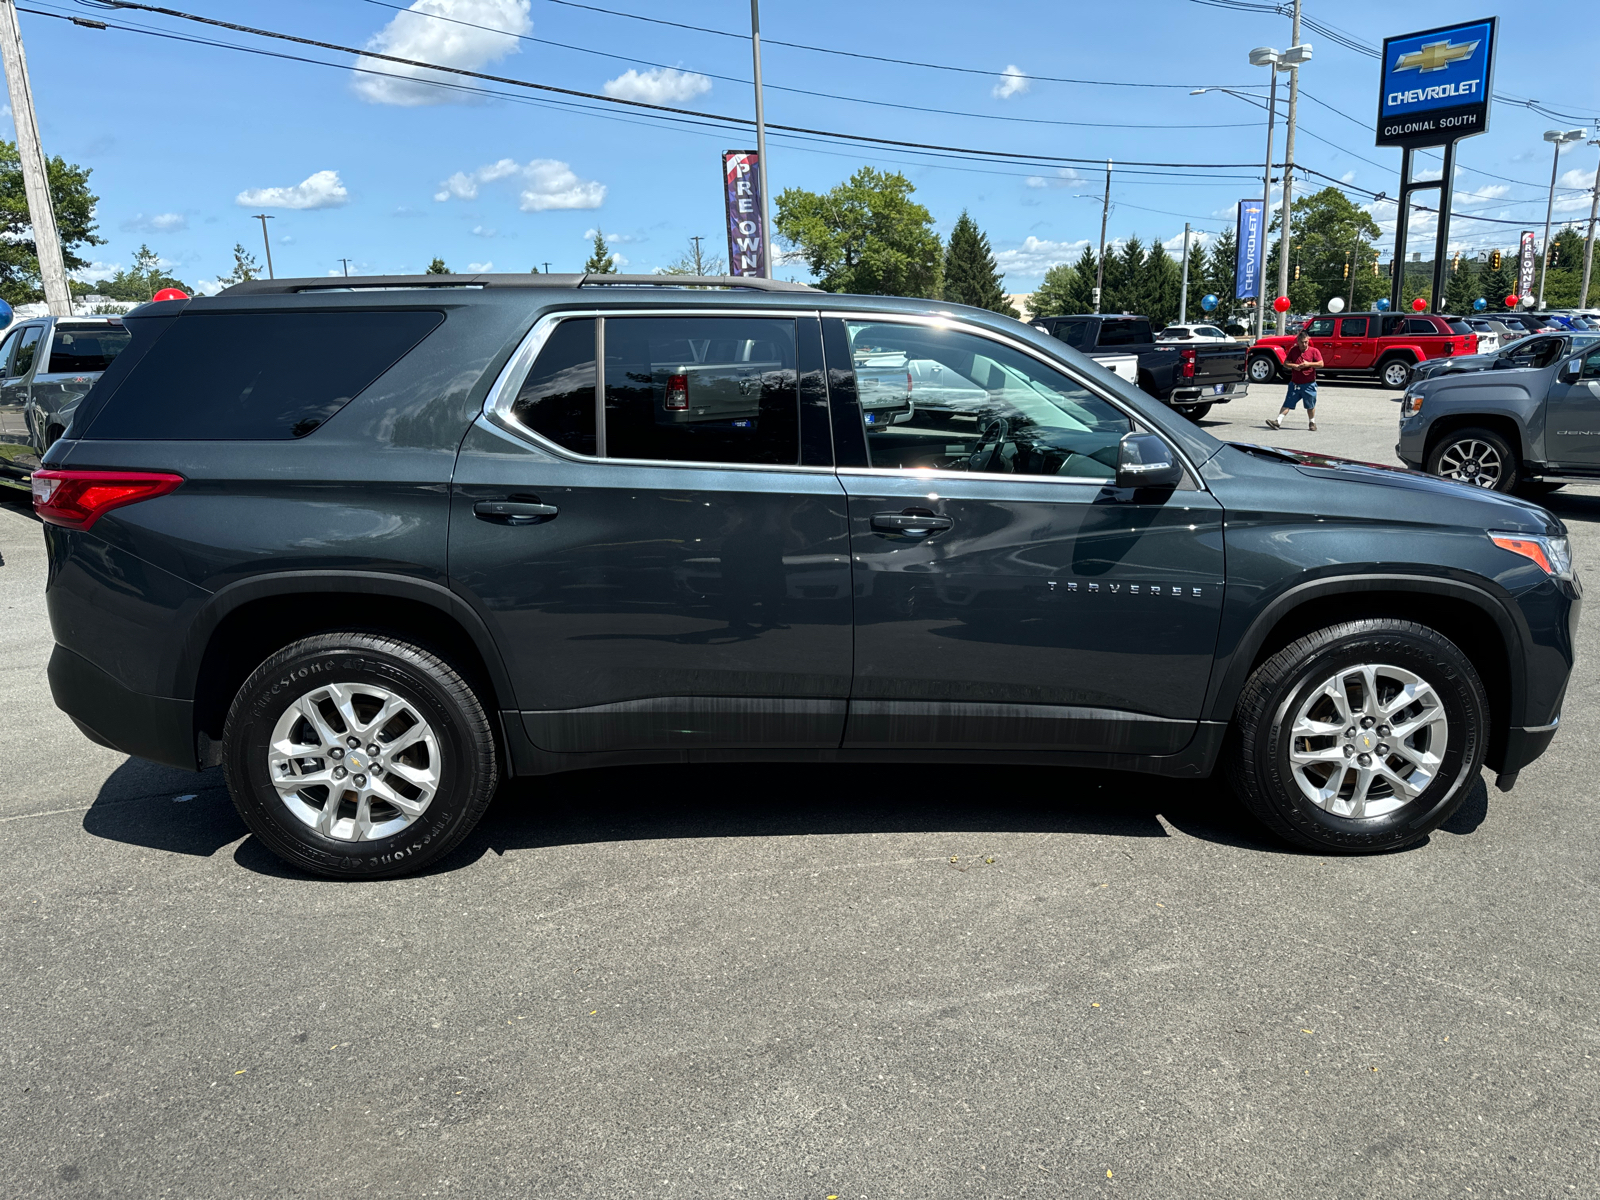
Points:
(1553, 555)
(1410, 403)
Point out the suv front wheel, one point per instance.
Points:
(1480, 457)
(1360, 737)
(358, 756)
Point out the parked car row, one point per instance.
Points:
(1188, 375)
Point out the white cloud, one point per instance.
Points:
(208, 287)
(1013, 82)
(615, 239)
(1065, 177)
(1036, 256)
(1197, 238)
(156, 223)
(417, 33)
(321, 190)
(1577, 179)
(483, 231)
(1348, 177)
(659, 85)
(480, 268)
(1478, 197)
(96, 270)
(547, 184)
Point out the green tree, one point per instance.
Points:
(437, 267)
(695, 261)
(74, 208)
(867, 236)
(1057, 295)
(1220, 280)
(1328, 232)
(971, 275)
(1495, 284)
(1461, 286)
(601, 261)
(1568, 247)
(141, 281)
(1160, 281)
(244, 267)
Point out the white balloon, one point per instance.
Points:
(1527, 302)
(1336, 305)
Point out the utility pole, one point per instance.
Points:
(1100, 268)
(1588, 242)
(547, 268)
(1288, 175)
(1266, 207)
(265, 241)
(1183, 288)
(35, 178)
(699, 263)
(346, 263)
(761, 138)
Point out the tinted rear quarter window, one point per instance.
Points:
(556, 400)
(1124, 333)
(256, 376)
(86, 349)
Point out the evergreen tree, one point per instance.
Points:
(1220, 272)
(971, 275)
(1161, 279)
(244, 267)
(1058, 294)
(1495, 284)
(867, 236)
(1124, 278)
(1568, 249)
(437, 267)
(1080, 297)
(1461, 287)
(601, 261)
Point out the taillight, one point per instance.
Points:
(908, 383)
(1187, 368)
(77, 499)
(678, 392)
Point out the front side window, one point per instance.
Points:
(1591, 365)
(86, 349)
(1320, 327)
(1210, 331)
(702, 389)
(27, 350)
(941, 399)
(6, 348)
(1353, 327)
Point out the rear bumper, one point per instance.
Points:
(1204, 395)
(158, 728)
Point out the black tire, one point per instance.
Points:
(1195, 412)
(1258, 762)
(1395, 373)
(1480, 457)
(1537, 488)
(428, 688)
(1263, 368)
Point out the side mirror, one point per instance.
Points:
(1145, 461)
(1571, 370)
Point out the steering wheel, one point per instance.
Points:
(992, 461)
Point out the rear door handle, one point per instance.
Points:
(913, 522)
(514, 512)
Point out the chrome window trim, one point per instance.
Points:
(503, 392)
(951, 322)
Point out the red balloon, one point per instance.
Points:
(1281, 304)
(1418, 304)
(1511, 301)
(170, 294)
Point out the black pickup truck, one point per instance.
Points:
(1188, 378)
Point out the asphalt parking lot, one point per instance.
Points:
(799, 982)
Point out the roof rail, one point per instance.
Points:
(338, 283)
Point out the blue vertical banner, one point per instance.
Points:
(747, 240)
(1252, 244)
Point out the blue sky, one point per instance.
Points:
(187, 141)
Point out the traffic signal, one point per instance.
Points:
(1297, 272)
(1347, 268)
(1494, 260)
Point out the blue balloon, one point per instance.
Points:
(1479, 304)
(1382, 306)
(1208, 301)
(5, 314)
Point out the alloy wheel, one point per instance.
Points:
(1472, 460)
(1368, 741)
(354, 761)
(1262, 370)
(1396, 374)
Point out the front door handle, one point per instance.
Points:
(913, 522)
(514, 512)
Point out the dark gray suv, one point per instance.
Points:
(374, 547)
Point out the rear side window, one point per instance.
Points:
(557, 399)
(1072, 333)
(1459, 327)
(1124, 333)
(1420, 325)
(1353, 327)
(86, 349)
(256, 376)
(702, 389)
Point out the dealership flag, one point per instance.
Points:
(747, 239)
(1247, 270)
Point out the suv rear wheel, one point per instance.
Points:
(358, 756)
(1361, 737)
(1395, 373)
(1480, 457)
(1263, 368)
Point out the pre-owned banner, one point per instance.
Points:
(747, 240)
(1525, 265)
(1252, 241)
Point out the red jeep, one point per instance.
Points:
(1374, 345)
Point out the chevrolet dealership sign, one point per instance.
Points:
(1435, 85)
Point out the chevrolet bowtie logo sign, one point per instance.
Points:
(1435, 56)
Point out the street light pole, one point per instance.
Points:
(1288, 169)
(1588, 242)
(761, 138)
(265, 241)
(1558, 138)
(1100, 269)
(346, 263)
(1183, 287)
(1266, 207)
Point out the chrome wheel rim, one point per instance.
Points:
(354, 761)
(1472, 460)
(1368, 741)
(1395, 374)
(1260, 371)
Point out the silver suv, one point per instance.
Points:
(47, 365)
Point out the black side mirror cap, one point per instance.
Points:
(1145, 461)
